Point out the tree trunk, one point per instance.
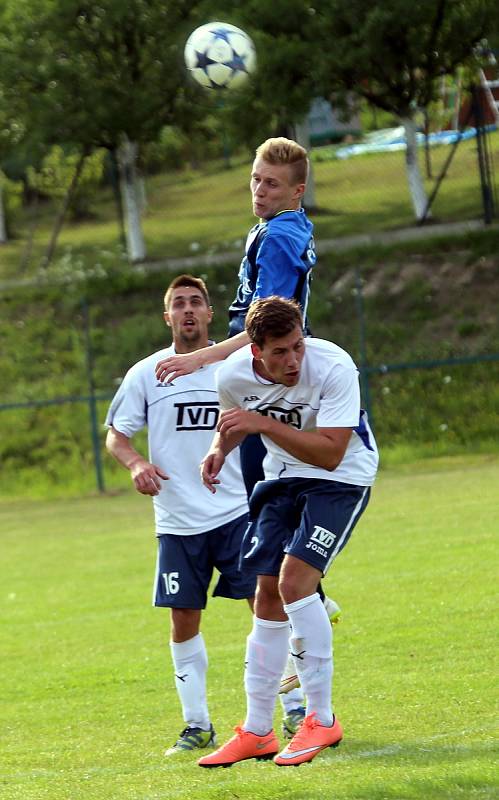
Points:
(457, 103)
(142, 191)
(427, 149)
(118, 198)
(416, 187)
(63, 211)
(302, 136)
(131, 200)
(3, 224)
(28, 250)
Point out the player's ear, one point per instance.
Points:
(299, 191)
(256, 352)
(166, 318)
(210, 313)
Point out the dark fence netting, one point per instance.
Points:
(429, 365)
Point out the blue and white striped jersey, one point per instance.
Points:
(279, 257)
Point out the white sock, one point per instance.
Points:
(191, 662)
(292, 700)
(295, 698)
(312, 645)
(266, 654)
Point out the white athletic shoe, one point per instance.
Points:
(333, 610)
(290, 679)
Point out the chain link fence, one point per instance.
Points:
(61, 367)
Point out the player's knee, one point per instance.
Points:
(297, 580)
(185, 623)
(267, 601)
(293, 587)
(290, 589)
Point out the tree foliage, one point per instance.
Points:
(94, 72)
(392, 52)
(99, 75)
(288, 67)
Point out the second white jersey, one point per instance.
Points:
(327, 395)
(181, 418)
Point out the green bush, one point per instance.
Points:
(56, 173)
(176, 149)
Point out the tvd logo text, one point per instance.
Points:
(197, 416)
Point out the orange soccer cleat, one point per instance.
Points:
(242, 746)
(308, 741)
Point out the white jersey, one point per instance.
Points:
(327, 395)
(181, 418)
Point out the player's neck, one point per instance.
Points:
(283, 211)
(261, 372)
(183, 348)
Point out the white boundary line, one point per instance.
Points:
(394, 749)
(162, 764)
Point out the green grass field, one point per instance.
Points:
(88, 696)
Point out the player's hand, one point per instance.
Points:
(172, 367)
(146, 477)
(210, 466)
(237, 421)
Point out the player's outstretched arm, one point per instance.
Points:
(145, 476)
(183, 364)
(323, 447)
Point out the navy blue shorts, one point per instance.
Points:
(311, 519)
(185, 567)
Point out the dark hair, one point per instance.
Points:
(187, 280)
(272, 317)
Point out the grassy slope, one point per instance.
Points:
(433, 300)
(359, 195)
(89, 701)
(430, 304)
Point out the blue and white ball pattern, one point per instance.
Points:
(219, 56)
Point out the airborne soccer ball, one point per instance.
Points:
(219, 55)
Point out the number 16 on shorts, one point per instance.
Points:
(170, 581)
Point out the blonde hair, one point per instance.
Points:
(280, 150)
